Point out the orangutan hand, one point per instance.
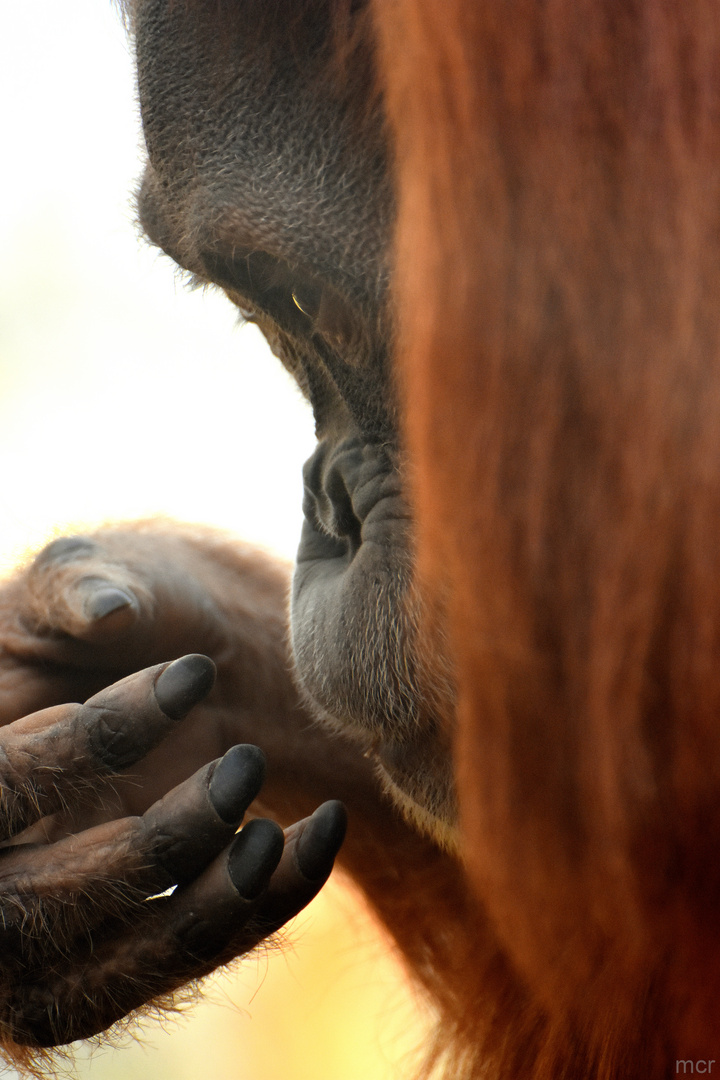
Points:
(91, 609)
(86, 935)
(110, 603)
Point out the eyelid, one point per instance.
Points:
(307, 296)
(334, 321)
(259, 282)
(250, 273)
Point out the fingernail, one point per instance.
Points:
(254, 856)
(66, 549)
(320, 842)
(236, 780)
(183, 684)
(106, 599)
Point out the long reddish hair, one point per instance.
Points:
(558, 283)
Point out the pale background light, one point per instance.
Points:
(178, 414)
(124, 395)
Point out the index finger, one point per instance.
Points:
(47, 759)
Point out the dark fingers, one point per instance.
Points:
(170, 942)
(311, 846)
(114, 865)
(244, 894)
(49, 757)
(192, 824)
(262, 884)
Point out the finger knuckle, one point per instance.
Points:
(66, 549)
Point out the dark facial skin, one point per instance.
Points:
(270, 179)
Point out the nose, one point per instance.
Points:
(331, 477)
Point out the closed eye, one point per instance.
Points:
(298, 303)
(307, 296)
(266, 284)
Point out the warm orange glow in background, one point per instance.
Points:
(122, 395)
(330, 1007)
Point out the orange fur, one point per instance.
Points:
(557, 276)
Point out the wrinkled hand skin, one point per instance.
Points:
(108, 804)
(90, 610)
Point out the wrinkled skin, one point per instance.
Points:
(276, 188)
(267, 181)
(90, 823)
(108, 804)
(563, 226)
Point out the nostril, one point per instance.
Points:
(316, 506)
(331, 476)
(310, 508)
(345, 522)
(313, 495)
(330, 510)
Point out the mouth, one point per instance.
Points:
(357, 626)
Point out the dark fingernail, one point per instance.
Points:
(254, 856)
(183, 684)
(106, 599)
(236, 780)
(320, 842)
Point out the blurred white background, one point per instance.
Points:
(123, 395)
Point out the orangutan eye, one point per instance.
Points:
(307, 296)
(330, 316)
